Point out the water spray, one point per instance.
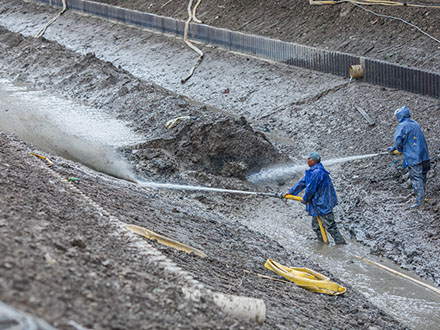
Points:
(200, 188)
(271, 174)
(287, 171)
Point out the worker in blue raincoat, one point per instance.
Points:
(409, 139)
(319, 197)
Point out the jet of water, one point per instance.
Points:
(200, 188)
(283, 172)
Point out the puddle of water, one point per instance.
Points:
(65, 128)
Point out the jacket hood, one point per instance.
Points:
(319, 166)
(402, 113)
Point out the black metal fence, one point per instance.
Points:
(376, 72)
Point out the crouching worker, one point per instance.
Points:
(409, 139)
(319, 197)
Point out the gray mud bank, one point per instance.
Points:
(217, 146)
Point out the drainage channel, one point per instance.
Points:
(21, 107)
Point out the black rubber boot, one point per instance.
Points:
(339, 240)
(319, 236)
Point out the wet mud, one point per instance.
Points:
(55, 238)
(219, 146)
(380, 32)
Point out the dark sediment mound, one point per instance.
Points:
(219, 146)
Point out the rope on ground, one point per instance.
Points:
(398, 19)
(195, 19)
(41, 32)
(400, 274)
(166, 3)
(362, 3)
(190, 45)
(372, 2)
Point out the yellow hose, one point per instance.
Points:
(321, 227)
(165, 240)
(49, 163)
(306, 278)
(430, 287)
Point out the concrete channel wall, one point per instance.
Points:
(375, 71)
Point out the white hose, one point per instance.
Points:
(185, 39)
(195, 19)
(244, 308)
(43, 29)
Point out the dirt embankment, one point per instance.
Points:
(343, 27)
(63, 261)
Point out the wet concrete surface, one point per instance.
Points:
(337, 131)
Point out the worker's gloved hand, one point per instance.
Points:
(391, 149)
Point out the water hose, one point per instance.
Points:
(245, 308)
(321, 227)
(430, 287)
(372, 2)
(195, 19)
(362, 3)
(185, 38)
(306, 278)
(49, 162)
(43, 29)
(165, 240)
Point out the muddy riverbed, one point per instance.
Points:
(67, 242)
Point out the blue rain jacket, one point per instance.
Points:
(409, 139)
(320, 195)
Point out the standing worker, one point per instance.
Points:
(319, 197)
(409, 139)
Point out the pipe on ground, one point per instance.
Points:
(244, 308)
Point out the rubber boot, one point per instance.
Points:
(329, 223)
(416, 204)
(340, 241)
(319, 236)
(337, 236)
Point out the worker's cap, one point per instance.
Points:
(315, 155)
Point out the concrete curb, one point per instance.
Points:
(376, 72)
